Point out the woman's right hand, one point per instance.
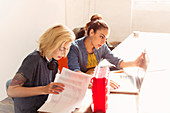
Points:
(54, 88)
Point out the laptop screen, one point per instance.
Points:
(130, 79)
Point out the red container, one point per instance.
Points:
(100, 89)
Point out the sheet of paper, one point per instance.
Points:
(76, 85)
(127, 83)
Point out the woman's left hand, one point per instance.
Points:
(142, 61)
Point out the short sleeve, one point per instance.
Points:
(28, 67)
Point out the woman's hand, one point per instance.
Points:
(53, 88)
(90, 71)
(142, 61)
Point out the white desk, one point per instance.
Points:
(154, 96)
(117, 103)
(155, 93)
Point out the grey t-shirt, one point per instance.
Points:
(34, 68)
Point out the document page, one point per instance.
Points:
(130, 80)
(76, 85)
(127, 83)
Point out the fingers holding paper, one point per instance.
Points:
(54, 88)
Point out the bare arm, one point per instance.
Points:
(124, 64)
(16, 88)
(135, 63)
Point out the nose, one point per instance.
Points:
(64, 54)
(103, 41)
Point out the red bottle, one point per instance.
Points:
(100, 89)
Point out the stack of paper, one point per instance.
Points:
(76, 85)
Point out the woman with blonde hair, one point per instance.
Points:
(34, 79)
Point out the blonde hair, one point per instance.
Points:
(53, 38)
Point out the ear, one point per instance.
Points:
(91, 32)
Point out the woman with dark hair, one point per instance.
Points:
(85, 53)
(93, 18)
(82, 31)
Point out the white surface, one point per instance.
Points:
(154, 94)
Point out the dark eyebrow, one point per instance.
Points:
(102, 34)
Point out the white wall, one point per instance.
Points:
(151, 18)
(123, 16)
(117, 13)
(22, 22)
(77, 13)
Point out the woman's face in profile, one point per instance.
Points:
(62, 51)
(99, 38)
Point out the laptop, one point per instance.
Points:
(129, 80)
